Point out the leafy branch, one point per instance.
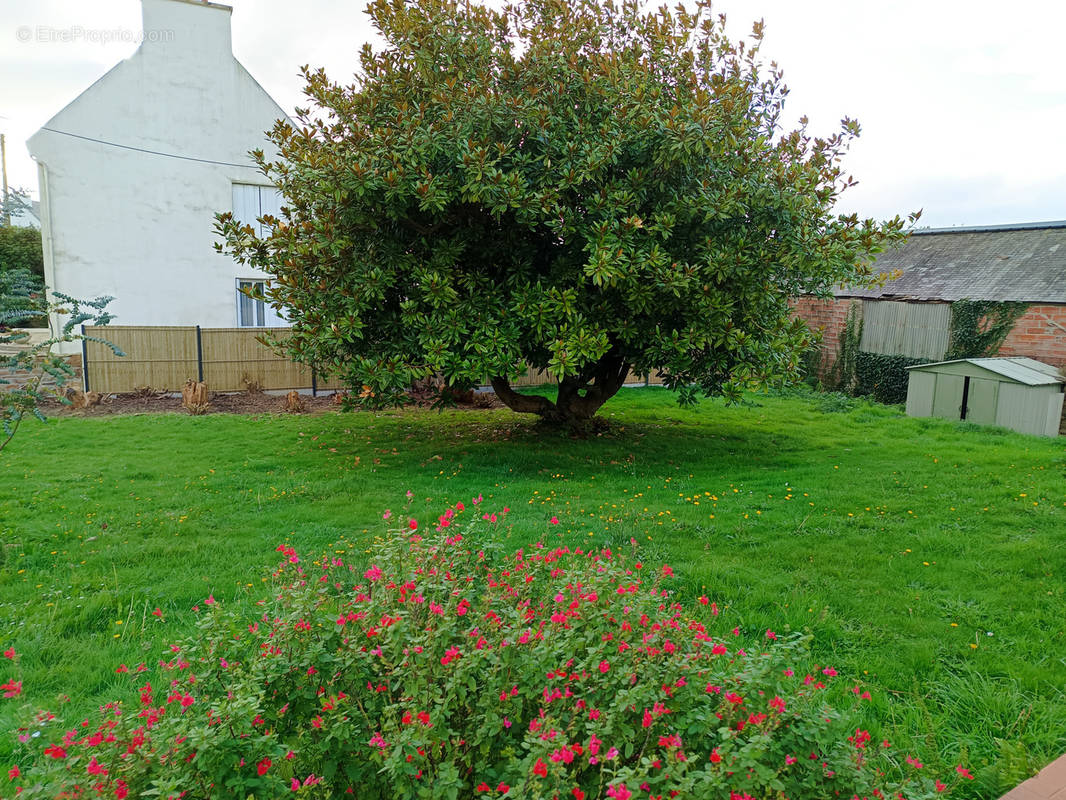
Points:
(24, 367)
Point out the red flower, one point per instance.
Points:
(578, 794)
(483, 787)
(503, 788)
(940, 786)
(373, 574)
(14, 772)
(263, 766)
(12, 688)
(94, 768)
(964, 772)
(541, 768)
(554, 520)
(55, 751)
(9, 653)
(413, 525)
(604, 666)
(715, 757)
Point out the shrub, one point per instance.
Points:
(883, 377)
(443, 669)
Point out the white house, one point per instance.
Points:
(133, 171)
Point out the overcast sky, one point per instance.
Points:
(962, 102)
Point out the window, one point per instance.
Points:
(251, 201)
(252, 313)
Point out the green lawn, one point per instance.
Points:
(927, 558)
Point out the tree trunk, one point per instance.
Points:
(579, 397)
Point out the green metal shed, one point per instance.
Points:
(1017, 393)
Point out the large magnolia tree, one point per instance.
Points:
(579, 187)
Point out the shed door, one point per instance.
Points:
(981, 401)
(947, 398)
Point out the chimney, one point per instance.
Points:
(187, 27)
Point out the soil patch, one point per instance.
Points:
(147, 402)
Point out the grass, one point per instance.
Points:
(926, 558)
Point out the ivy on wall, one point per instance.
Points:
(979, 327)
(978, 330)
(884, 378)
(842, 375)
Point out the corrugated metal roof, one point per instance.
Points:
(1021, 370)
(1025, 263)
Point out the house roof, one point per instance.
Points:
(1024, 262)
(1021, 370)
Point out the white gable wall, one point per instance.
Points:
(138, 225)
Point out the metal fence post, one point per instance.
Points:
(84, 362)
(314, 383)
(199, 356)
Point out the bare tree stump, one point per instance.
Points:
(293, 403)
(194, 397)
(80, 399)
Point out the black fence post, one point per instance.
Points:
(314, 383)
(199, 356)
(84, 362)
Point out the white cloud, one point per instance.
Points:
(962, 103)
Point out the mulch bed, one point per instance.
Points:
(228, 403)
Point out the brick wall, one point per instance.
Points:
(829, 317)
(1041, 334)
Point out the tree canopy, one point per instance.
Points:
(581, 187)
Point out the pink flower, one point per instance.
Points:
(9, 653)
(94, 767)
(704, 599)
(387, 514)
(373, 574)
(964, 772)
(790, 760)
(770, 634)
(412, 524)
(604, 666)
(12, 688)
(668, 572)
(619, 792)
(210, 601)
(554, 520)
